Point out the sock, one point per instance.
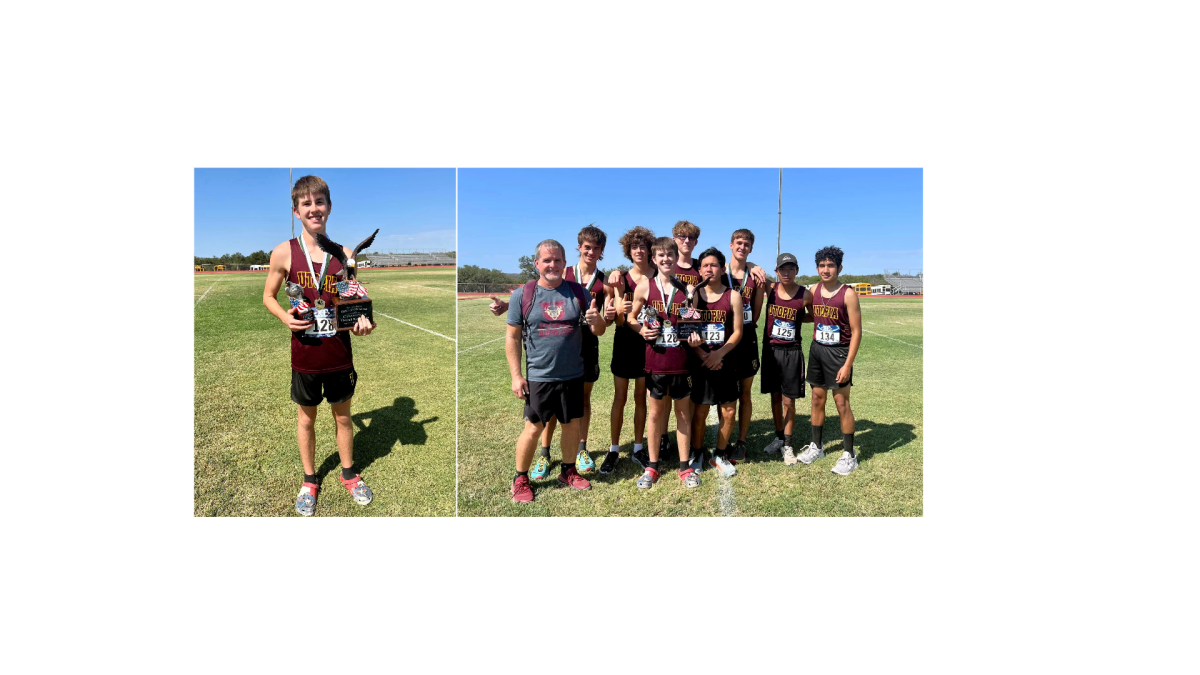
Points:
(683, 466)
(817, 431)
(787, 440)
(637, 447)
(520, 473)
(583, 445)
(653, 465)
(615, 448)
(347, 474)
(311, 479)
(564, 467)
(848, 439)
(545, 451)
(779, 434)
(722, 452)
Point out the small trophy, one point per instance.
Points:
(296, 295)
(689, 316)
(648, 317)
(351, 300)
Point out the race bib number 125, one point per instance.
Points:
(783, 330)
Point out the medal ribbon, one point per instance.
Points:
(324, 266)
(662, 292)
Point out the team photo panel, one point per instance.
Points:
(324, 361)
(613, 323)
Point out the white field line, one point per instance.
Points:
(418, 327)
(209, 289)
(728, 506)
(893, 339)
(481, 344)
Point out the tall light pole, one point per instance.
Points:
(779, 228)
(293, 212)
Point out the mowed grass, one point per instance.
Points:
(246, 459)
(886, 399)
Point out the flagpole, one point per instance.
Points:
(779, 227)
(294, 211)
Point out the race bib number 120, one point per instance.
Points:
(783, 330)
(323, 324)
(828, 335)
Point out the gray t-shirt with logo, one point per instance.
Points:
(552, 340)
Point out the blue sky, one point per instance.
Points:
(874, 215)
(246, 210)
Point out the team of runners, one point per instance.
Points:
(686, 333)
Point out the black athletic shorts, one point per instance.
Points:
(629, 354)
(591, 359)
(745, 354)
(562, 400)
(337, 387)
(680, 385)
(713, 387)
(782, 370)
(824, 362)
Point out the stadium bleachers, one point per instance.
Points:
(905, 285)
(387, 259)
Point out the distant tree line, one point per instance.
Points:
(256, 258)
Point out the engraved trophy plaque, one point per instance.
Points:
(350, 301)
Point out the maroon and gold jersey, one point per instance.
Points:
(746, 287)
(666, 355)
(716, 319)
(781, 318)
(311, 354)
(831, 322)
(688, 275)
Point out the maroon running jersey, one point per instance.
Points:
(781, 318)
(747, 292)
(831, 323)
(688, 275)
(716, 319)
(313, 354)
(665, 355)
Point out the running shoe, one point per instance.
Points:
(739, 452)
(689, 478)
(522, 492)
(541, 468)
(358, 490)
(306, 501)
(642, 457)
(723, 465)
(648, 479)
(572, 479)
(698, 461)
(789, 455)
(845, 464)
(811, 454)
(775, 446)
(610, 462)
(583, 462)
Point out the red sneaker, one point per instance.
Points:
(521, 492)
(573, 479)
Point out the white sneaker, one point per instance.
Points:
(775, 446)
(789, 455)
(845, 464)
(811, 453)
(721, 464)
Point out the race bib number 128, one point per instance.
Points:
(323, 324)
(668, 337)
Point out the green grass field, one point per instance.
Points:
(246, 459)
(887, 404)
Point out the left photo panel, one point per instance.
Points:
(324, 342)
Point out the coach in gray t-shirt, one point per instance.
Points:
(554, 388)
(553, 340)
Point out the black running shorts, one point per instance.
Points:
(678, 385)
(337, 387)
(628, 355)
(561, 400)
(823, 365)
(782, 370)
(713, 387)
(745, 354)
(591, 360)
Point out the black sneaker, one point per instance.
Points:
(739, 452)
(642, 457)
(610, 462)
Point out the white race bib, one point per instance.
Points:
(668, 337)
(828, 335)
(323, 324)
(783, 330)
(713, 334)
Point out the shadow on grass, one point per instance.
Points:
(870, 438)
(387, 426)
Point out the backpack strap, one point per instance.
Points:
(577, 289)
(527, 292)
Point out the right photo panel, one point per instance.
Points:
(690, 342)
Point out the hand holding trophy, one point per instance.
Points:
(351, 301)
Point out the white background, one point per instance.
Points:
(1058, 141)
